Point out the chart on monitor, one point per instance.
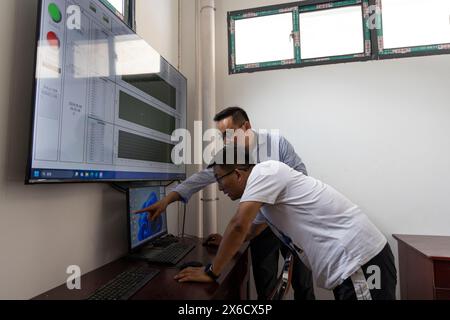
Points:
(105, 104)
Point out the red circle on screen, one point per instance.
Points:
(53, 40)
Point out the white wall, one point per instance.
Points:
(158, 20)
(188, 66)
(377, 131)
(44, 229)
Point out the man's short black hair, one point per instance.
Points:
(239, 115)
(233, 157)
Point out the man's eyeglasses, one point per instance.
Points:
(219, 179)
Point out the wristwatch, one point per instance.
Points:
(209, 272)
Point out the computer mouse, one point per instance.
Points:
(194, 264)
(211, 242)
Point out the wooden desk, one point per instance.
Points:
(233, 284)
(424, 267)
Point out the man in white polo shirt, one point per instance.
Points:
(328, 232)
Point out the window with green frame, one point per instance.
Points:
(125, 9)
(264, 38)
(334, 31)
(299, 34)
(413, 26)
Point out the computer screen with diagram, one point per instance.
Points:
(141, 230)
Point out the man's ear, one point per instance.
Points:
(240, 173)
(247, 125)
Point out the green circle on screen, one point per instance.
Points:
(55, 13)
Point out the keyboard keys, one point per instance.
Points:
(125, 285)
(172, 254)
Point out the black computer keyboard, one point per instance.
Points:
(165, 242)
(172, 254)
(125, 285)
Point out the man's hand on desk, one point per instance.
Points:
(213, 240)
(193, 275)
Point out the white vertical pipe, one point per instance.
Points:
(208, 101)
(198, 111)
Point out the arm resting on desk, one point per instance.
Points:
(235, 235)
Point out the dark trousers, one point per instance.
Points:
(377, 280)
(265, 251)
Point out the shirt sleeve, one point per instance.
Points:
(290, 157)
(265, 183)
(195, 183)
(260, 219)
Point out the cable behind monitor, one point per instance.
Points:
(184, 219)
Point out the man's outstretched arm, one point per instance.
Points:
(235, 235)
(182, 192)
(194, 184)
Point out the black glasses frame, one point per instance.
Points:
(219, 179)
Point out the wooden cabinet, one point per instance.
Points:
(424, 267)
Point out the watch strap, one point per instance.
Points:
(210, 273)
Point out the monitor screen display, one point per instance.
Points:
(105, 103)
(141, 230)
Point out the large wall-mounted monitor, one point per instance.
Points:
(105, 102)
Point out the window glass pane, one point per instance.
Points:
(263, 39)
(331, 32)
(410, 23)
(118, 4)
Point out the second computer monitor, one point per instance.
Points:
(140, 229)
